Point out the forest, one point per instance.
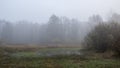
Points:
(61, 43)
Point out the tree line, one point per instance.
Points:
(56, 30)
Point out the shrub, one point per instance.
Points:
(104, 37)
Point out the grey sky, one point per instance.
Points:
(41, 10)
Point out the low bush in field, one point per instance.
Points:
(104, 37)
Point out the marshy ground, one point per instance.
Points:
(52, 58)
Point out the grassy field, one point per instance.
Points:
(20, 58)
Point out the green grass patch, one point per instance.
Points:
(29, 59)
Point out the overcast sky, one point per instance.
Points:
(41, 10)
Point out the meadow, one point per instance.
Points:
(60, 57)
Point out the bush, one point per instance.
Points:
(104, 37)
(97, 38)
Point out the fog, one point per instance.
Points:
(59, 33)
(56, 30)
(40, 10)
(53, 21)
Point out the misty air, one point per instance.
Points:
(59, 34)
